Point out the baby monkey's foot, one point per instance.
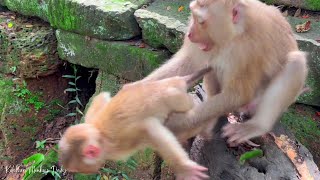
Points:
(242, 132)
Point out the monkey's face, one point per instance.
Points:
(212, 23)
(81, 149)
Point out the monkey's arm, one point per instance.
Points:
(162, 140)
(280, 94)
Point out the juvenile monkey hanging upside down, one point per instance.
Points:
(255, 60)
(133, 119)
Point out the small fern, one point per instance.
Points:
(77, 113)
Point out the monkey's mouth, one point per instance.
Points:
(205, 46)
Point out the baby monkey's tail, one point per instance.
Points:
(193, 78)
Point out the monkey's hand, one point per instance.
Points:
(242, 132)
(192, 171)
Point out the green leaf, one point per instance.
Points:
(78, 78)
(35, 159)
(71, 114)
(98, 177)
(249, 155)
(125, 176)
(69, 76)
(108, 170)
(70, 90)
(78, 101)
(72, 101)
(115, 178)
(10, 25)
(79, 111)
(72, 83)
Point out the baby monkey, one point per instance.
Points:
(133, 119)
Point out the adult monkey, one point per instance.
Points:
(255, 58)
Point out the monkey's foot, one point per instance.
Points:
(193, 171)
(240, 133)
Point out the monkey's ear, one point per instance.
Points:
(91, 151)
(237, 12)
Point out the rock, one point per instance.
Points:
(27, 46)
(223, 163)
(112, 19)
(307, 42)
(163, 25)
(122, 59)
(304, 124)
(304, 4)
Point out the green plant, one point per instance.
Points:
(33, 163)
(53, 173)
(40, 144)
(130, 163)
(74, 89)
(54, 107)
(114, 174)
(21, 91)
(250, 154)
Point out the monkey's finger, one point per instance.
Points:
(200, 168)
(202, 175)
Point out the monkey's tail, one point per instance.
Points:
(195, 77)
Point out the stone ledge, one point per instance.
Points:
(163, 25)
(102, 19)
(122, 59)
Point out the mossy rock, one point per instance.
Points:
(313, 5)
(307, 43)
(122, 59)
(304, 123)
(27, 46)
(163, 25)
(103, 19)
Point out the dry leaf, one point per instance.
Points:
(297, 13)
(142, 45)
(168, 8)
(289, 148)
(29, 25)
(181, 8)
(303, 27)
(305, 16)
(285, 13)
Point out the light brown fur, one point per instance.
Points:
(251, 52)
(133, 119)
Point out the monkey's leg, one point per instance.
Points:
(162, 140)
(211, 87)
(280, 94)
(178, 100)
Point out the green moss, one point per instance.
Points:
(313, 4)
(119, 58)
(302, 124)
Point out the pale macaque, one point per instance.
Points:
(256, 65)
(133, 119)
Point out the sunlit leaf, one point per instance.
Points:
(249, 155)
(69, 76)
(181, 8)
